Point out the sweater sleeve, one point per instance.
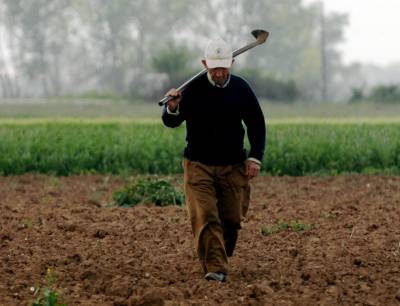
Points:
(253, 118)
(172, 119)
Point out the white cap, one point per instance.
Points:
(218, 54)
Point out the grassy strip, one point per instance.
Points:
(126, 147)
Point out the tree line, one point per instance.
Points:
(140, 48)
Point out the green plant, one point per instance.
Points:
(298, 226)
(50, 296)
(148, 190)
(281, 225)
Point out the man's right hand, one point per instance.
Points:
(176, 98)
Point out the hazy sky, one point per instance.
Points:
(373, 33)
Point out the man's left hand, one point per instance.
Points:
(252, 169)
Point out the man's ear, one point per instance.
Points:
(203, 61)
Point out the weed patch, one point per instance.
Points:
(281, 225)
(50, 296)
(148, 190)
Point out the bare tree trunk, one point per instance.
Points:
(46, 92)
(9, 89)
(324, 70)
(16, 88)
(56, 79)
(3, 70)
(4, 91)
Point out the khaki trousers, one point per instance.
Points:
(217, 199)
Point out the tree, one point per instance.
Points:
(173, 61)
(71, 46)
(292, 50)
(38, 30)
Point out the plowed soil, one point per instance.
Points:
(97, 254)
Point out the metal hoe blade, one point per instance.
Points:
(260, 36)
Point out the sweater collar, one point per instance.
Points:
(216, 85)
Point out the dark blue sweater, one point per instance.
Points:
(214, 130)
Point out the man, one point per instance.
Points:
(217, 168)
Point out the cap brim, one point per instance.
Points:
(219, 63)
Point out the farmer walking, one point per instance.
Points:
(217, 168)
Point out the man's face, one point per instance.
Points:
(219, 75)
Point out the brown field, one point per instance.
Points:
(102, 255)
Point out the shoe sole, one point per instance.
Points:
(214, 277)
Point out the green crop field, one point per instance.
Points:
(126, 146)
